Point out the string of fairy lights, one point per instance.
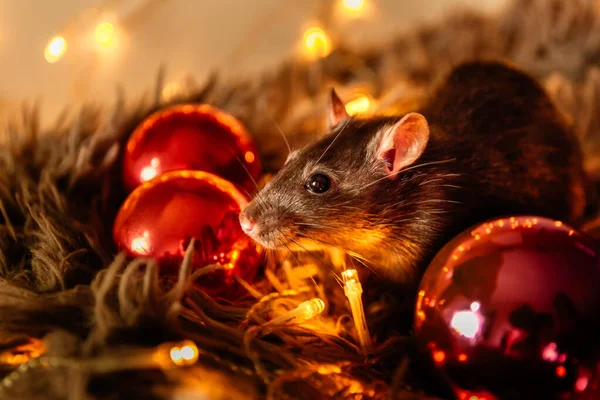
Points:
(317, 43)
(107, 24)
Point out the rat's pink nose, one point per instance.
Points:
(247, 224)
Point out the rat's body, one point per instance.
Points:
(488, 143)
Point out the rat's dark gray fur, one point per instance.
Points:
(497, 147)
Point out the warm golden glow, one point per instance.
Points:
(361, 104)
(305, 311)
(316, 42)
(141, 244)
(184, 354)
(353, 291)
(558, 223)
(351, 275)
(104, 34)
(354, 5)
(462, 357)
(176, 356)
(311, 308)
(55, 49)
(189, 353)
(249, 157)
(23, 353)
(148, 173)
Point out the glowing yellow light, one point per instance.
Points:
(558, 224)
(189, 353)
(571, 232)
(249, 157)
(141, 245)
(23, 353)
(311, 308)
(466, 323)
(329, 369)
(176, 356)
(148, 173)
(104, 33)
(354, 5)
(305, 311)
(353, 291)
(317, 42)
(55, 49)
(360, 105)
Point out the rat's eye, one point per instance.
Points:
(318, 183)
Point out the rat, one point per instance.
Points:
(393, 190)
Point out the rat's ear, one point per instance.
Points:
(336, 110)
(403, 143)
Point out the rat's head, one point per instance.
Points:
(333, 191)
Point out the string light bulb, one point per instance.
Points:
(353, 291)
(305, 311)
(316, 42)
(56, 48)
(353, 5)
(104, 34)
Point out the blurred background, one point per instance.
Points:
(64, 52)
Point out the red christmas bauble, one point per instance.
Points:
(161, 216)
(511, 310)
(191, 137)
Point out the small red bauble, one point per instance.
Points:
(511, 310)
(160, 217)
(191, 137)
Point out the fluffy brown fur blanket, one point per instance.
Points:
(61, 281)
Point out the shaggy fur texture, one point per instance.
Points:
(60, 190)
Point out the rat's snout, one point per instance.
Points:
(248, 224)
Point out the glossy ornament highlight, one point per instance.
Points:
(191, 137)
(511, 310)
(161, 216)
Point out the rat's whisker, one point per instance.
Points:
(311, 254)
(258, 195)
(281, 132)
(315, 225)
(258, 199)
(408, 169)
(300, 263)
(334, 139)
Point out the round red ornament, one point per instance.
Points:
(191, 137)
(511, 310)
(160, 217)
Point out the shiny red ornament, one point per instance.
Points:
(161, 216)
(511, 310)
(191, 137)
